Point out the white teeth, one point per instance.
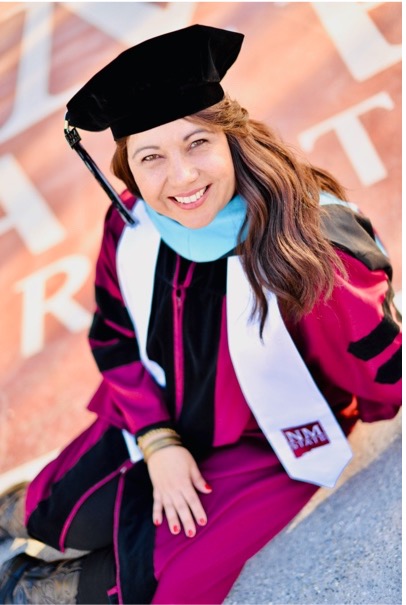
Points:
(191, 198)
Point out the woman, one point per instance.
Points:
(242, 324)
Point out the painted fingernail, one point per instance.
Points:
(156, 522)
(207, 486)
(175, 529)
(190, 533)
(202, 521)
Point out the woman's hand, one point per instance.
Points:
(175, 478)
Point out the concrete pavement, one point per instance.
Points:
(345, 547)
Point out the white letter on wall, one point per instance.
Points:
(360, 43)
(33, 101)
(61, 304)
(26, 211)
(133, 23)
(353, 137)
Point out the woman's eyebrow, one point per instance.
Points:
(197, 131)
(144, 149)
(156, 147)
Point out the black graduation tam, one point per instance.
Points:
(158, 81)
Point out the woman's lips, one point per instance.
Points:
(193, 200)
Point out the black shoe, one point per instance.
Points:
(25, 579)
(10, 573)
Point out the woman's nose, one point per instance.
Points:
(182, 171)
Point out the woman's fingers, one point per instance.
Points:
(172, 518)
(182, 510)
(191, 512)
(198, 481)
(165, 504)
(195, 506)
(157, 515)
(176, 480)
(179, 517)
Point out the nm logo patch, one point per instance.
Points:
(304, 438)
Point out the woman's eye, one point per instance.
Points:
(198, 143)
(149, 158)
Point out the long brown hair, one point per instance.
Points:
(284, 251)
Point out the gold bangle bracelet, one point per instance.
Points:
(159, 444)
(158, 432)
(162, 441)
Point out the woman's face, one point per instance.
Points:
(183, 171)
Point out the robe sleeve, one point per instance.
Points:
(352, 343)
(128, 396)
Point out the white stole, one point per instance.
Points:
(289, 408)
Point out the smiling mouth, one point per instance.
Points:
(191, 198)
